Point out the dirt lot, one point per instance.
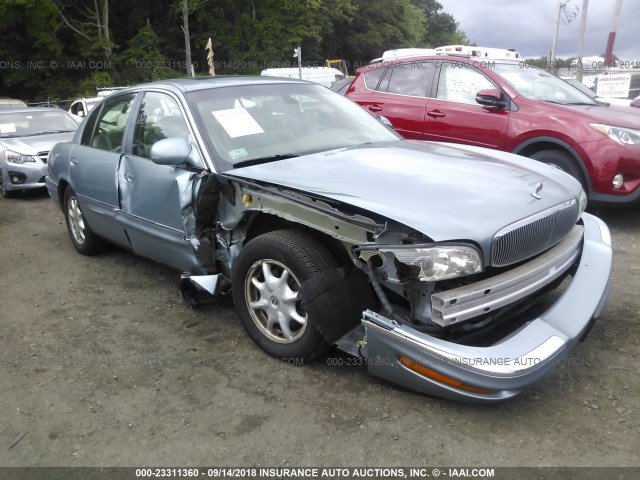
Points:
(102, 365)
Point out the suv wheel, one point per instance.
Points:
(561, 160)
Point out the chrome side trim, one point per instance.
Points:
(459, 304)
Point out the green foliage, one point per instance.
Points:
(27, 47)
(441, 28)
(87, 87)
(381, 25)
(145, 40)
(143, 61)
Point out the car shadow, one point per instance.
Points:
(29, 195)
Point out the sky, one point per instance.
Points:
(527, 26)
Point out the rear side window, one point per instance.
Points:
(87, 133)
(109, 133)
(372, 78)
(413, 79)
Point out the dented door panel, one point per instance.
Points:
(156, 209)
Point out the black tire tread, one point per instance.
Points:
(311, 252)
(545, 156)
(92, 243)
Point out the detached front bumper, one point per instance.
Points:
(485, 374)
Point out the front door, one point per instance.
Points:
(453, 115)
(156, 201)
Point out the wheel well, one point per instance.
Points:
(529, 150)
(265, 223)
(541, 145)
(62, 187)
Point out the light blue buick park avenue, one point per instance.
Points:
(452, 270)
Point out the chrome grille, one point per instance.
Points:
(533, 235)
(44, 156)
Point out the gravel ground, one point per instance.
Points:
(103, 365)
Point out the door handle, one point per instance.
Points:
(374, 108)
(73, 162)
(436, 114)
(128, 176)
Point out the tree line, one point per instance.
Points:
(55, 49)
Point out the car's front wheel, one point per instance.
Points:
(266, 280)
(84, 240)
(3, 189)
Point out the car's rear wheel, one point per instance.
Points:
(84, 240)
(562, 161)
(266, 280)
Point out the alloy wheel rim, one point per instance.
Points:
(76, 221)
(271, 293)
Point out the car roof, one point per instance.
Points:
(455, 58)
(31, 110)
(189, 84)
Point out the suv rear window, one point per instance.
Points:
(372, 78)
(413, 79)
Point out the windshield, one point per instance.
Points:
(537, 84)
(252, 123)
(24, 124)
(584, 89)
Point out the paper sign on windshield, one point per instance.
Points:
(237, 122)
(7, 128)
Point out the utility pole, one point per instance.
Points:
(552, 58)
(297, 53)
(608, 55)
(583, 27)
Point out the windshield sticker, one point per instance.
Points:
(237, 122)
(238, 153)
(7, 128)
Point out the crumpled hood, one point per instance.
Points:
(36, 143)
(445, 191)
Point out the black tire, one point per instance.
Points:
(3, 191)
(84, 240)
(303, 257)
(561, 160)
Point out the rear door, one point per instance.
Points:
(156, 200)
(453, 115)
(94, 166)
(401, 95)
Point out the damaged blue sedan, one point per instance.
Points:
(452, 270)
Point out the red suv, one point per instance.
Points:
(508, 105)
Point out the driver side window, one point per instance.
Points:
(109, 133)
(460, 83)
(159, 117)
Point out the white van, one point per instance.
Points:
(322, 75)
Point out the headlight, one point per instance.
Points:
(13, 157)
(582, 203)
(622, 135)
(441, 262)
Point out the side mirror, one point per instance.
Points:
(173, 151)
(491, 97)
(80, 113)
(385, 121)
